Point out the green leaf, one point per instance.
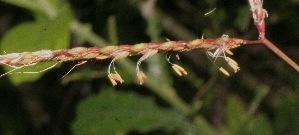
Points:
(38, 7)
(235, 113)
(34, 36)
(242, 20)
(286, 117)
(113, 113)
(260, 126)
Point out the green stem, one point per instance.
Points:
(261, 93)
(112, 30)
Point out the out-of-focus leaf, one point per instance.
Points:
(243, 19)
(113, 113)
(257, 126)
(204, 127)
(286, 118)
(45, 7)
(235, 113)
(27, 4)
(34, 36)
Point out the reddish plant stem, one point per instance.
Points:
(258, 15)
(251, 42)
(273, 48)
(278, 52)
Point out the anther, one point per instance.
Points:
(141, 77)
(114, 78)
(224, 71)
(233, 64)
(179, 70)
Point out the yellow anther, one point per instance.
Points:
(179, 70)
(114, 78)
(231, 61)
(112, 81)
(224, 71)
(236, 68)
(229, 52)
(233, 64)
(141, 77)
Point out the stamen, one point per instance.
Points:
(9, 71)
(179, 70)
(177, 56)
(117, 56)
(114, 78)
(78, 64)
(210, 11)
(233, 64)
(168, 58)
(229, 52)
(232, 61)
(141, 77)
(39, 71)
(148, 54)
(224, 71)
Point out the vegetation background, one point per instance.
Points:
(262, 98)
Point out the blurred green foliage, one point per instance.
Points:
(38, 35)
(261, 99)
(129, 111)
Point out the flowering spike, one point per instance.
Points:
(258, 15)
(220, 46)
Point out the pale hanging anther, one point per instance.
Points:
(224, 71)
(233, 64)
(229, 52)
(114, 78)
(141, 77)
(179, 70)
(117, 56)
